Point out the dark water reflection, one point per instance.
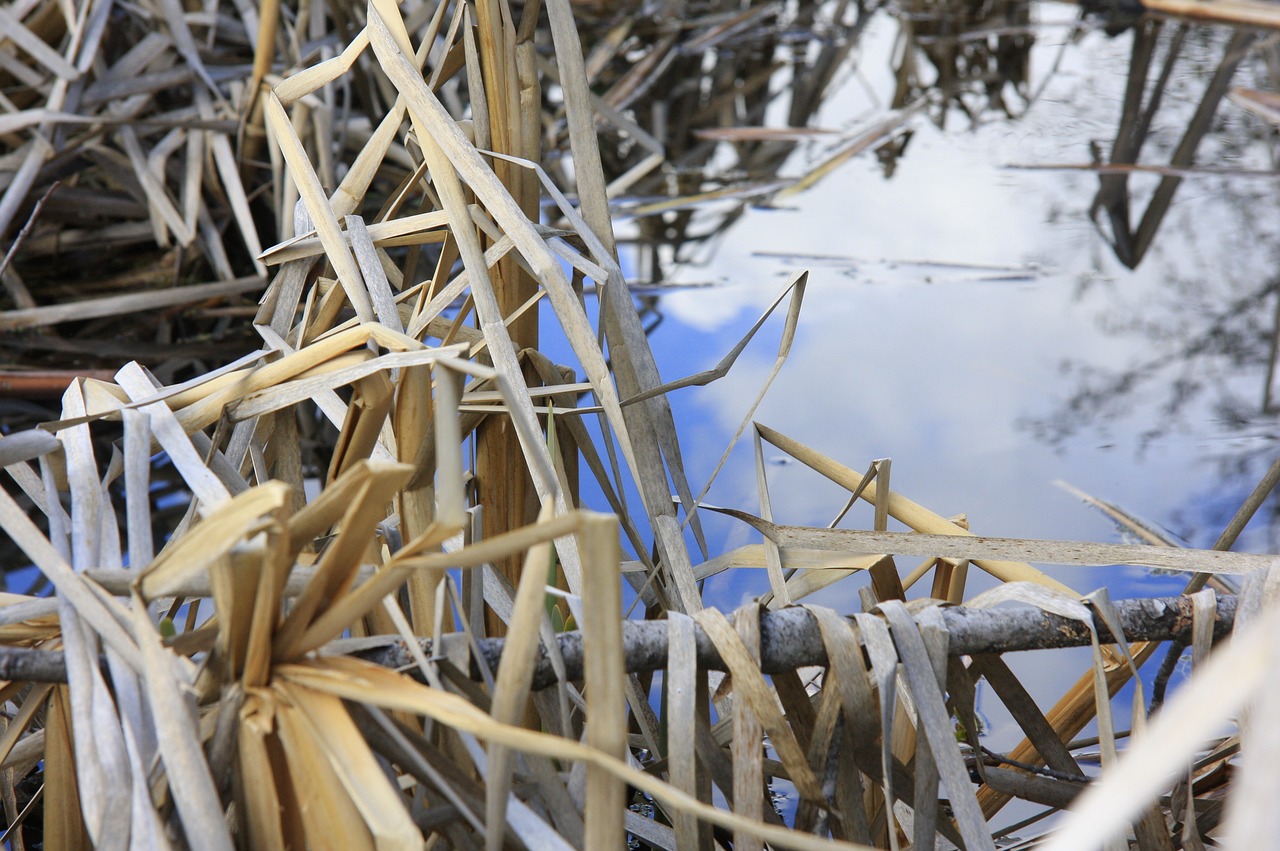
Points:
(1109, 322)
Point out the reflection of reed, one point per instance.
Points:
(716, 71)
(686, 110)
(1139, 110)
(977, 50)
(671, 95)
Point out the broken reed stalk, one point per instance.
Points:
(505, 490)
(789, 639)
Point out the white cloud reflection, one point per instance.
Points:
(939, 366)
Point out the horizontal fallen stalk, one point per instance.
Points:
(789, 639)
(1034, 550)
(119, 582)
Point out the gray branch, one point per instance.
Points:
(789, 639)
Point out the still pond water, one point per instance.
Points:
(971, 321)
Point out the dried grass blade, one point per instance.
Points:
(380, 805)
(225, 161)
(748, 735)
(317, 76)
(440, 136)
(813, 578)
(429, 113)
(450, 497)
(515, 678)
(264, 50)
(273, 578)
(163, 211)
(207, 406)
(362, 433)
(884, 664)
(256, 791)
(63, 822)
(588, 170)
(1099, 603)
(1228, 679)
(1123, 518)
(354, 680)
(26, 446)
(721, 369)
(101, 764)
(36, 317)
(605, 667)
(932, 717)
(204, 484)
(793, 558)
(423, 424)
(69, 585)
(1028, 716)
(332, 818)
(407, 230)
(88, 501)
(193, 789)
(989, 552)
(200, 547)
(779, 592)
(1204, 607)
(137, 478)
(852, 685)
(750, 686)
(682, 696)
(1150, 829)
(320, 384)
(900, 508)
(366, 490)
(317, 205)
(36, 47)
(384, 305)
(34, 702)
(175, 17)
(414, 555)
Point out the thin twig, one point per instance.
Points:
(31, 220)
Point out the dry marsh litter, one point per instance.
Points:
(324, 576)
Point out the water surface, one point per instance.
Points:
(972, 320)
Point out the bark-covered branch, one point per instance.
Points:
(789, 640)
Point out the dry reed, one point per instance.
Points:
(326, 491)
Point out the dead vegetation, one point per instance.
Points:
(225, 530)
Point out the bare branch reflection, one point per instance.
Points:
(1113, 201)
(1194, 349)
(1210, 333)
